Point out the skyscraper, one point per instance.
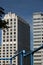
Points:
(38, 37)
(15, 39)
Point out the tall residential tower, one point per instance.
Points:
(38, 37)
(16, 38)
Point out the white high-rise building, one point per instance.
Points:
(38, 37)
(14, 39)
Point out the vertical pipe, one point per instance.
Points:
(11, 61)
(31, 56)
(21, 59)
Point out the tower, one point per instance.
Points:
(15, 38)
(38, 37)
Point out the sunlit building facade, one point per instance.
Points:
(38, 37)
(14, 39)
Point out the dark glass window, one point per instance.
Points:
(3, 36)
(10, 29)
(14, 32)
(10, 19)
(14, 39)
(14, 19)
(3, 33)
(14, 22)
(10, 55)
(3, 47)
(11, 33)
(7, 36)
(3, 44)
(14, 26)
(7, 55)
(7, 40)
(10, 39)
(10, 44)
(3, 40)
(7, 33)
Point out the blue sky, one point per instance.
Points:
(23, 8)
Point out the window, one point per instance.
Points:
(7, 36)
(7, 61)
(3, 32)
(10, 44)
(3, 44)
(3, 56)
(7, 40)
(10, 36)
(14, 61)
(3, 40)
(7, 50)
(7, 55)
(10, 55)
(14, 47)
(37, 41)
(10, 39)
(3, 61)
(14, 39)
(3, 47)
(11, 33)
(7, 44)
(10, 29)
(3, 36)
(14, 22)
(36, 19)
(10, 50)
(10, 47)
(3, 50)
(7, 47)
(14, 44)
(3, 53)
(14, 26)
(10, 19)
(37, 55)
(7, 33)
(37, 59)
(14, 32)
(14, 19)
